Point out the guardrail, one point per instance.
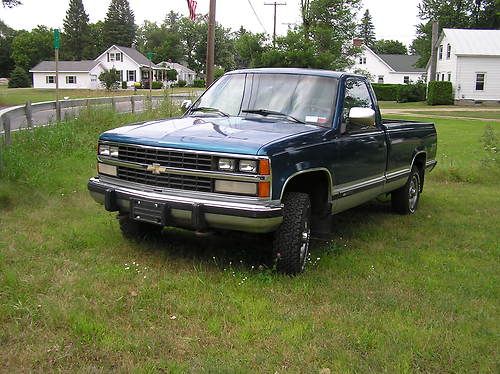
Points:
(39, 114)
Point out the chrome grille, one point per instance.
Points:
(177, 159)
(180, 182)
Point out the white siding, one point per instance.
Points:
(124, 66)
(466, 82)
(82, 80)
(445, 65)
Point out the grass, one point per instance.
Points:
(490, 114)
(396, 105)
(19, 96)
(386, 294)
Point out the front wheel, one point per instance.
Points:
(405, 199)
(291, 243)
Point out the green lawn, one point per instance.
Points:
(396, 105)
(386, 294)
(476, 113)
(19, 96)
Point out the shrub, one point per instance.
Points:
(137, 85)
(157, 85)
(200, 83)
(171, 75)
(110, 79)
(181, 83)
(124, 85)
(19, 78)
(412, 92)
(386, 92)
(440, 93)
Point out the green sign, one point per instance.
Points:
(57, 38)
(150, 56)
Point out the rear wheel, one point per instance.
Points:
(291, 243)
(136, 230)
(405, 199)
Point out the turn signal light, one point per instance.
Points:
(264, 189)
(264, 167)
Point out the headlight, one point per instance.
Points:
(248, 166)
(107, 150)
(227, 164)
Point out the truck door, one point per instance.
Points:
(360, 152)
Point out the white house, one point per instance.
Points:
(470, 60)
(183, 72)
(386, 68)
(132, 65)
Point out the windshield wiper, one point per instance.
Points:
(266, 112)
(209, 110)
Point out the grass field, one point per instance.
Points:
(386, 294)
(19, 96)
(490, 114)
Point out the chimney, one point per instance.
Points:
(358, 42)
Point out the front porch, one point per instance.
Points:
(159, 74)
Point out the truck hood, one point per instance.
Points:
(220, 134)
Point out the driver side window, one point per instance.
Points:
(356, 96)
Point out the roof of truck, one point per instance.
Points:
(303, 71)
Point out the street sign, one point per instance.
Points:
(57, 39)
(150, 56)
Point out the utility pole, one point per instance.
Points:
(275, 4)
(434, 50)
(150, 58)
(210, 44)
(57, 43)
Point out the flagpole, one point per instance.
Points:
(210, 43)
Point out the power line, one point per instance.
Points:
(275, 4)
(257, 16)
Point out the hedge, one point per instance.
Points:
(200, 83)
(440, 93)
(19, 78)
(386, 92)
(402, 93)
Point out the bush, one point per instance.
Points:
(110, 79)
(386, 92)
(124, 85)
(412, 92)
(19, 78)
(137, 85)
(200, 83)
(171, 75)
(157, 85)
(440, 93)
(181, 83)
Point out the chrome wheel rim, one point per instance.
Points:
(413, 191)
(305, 237)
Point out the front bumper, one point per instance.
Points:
(193, 210)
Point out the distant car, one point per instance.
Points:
(261, 151)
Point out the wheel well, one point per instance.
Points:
(419, 163)
(317, 185)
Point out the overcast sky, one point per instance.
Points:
(393, 19)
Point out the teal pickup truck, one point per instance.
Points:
(264, 151)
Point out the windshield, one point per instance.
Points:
(304, 98)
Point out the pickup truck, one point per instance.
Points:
(264, 151)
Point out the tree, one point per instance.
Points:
(96, 35)
(110, 79)
(119, 25)
(76, 31)
(366, 29)
(31, 47)
(11, 3)
(6, 62)
(19, 78)
(390, 47)
(249, 48)
(171, 75)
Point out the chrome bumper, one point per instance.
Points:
(193, 210)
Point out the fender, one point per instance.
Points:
(311, 170)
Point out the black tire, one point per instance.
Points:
(291, 243)
(135, 230)
(405, 199)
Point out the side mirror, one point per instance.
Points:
(186, 104)
(362, 116)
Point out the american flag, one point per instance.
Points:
(192, 9)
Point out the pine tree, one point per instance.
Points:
(366, 29)
(119, 25)
(76, 31)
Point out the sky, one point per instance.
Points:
(393, 19)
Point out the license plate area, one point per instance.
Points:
(148, 211)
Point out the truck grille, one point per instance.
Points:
(179, 182)
(177, 159)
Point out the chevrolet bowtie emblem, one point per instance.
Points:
(156, 168)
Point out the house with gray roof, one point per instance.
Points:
(132, 65)
(383, 68)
